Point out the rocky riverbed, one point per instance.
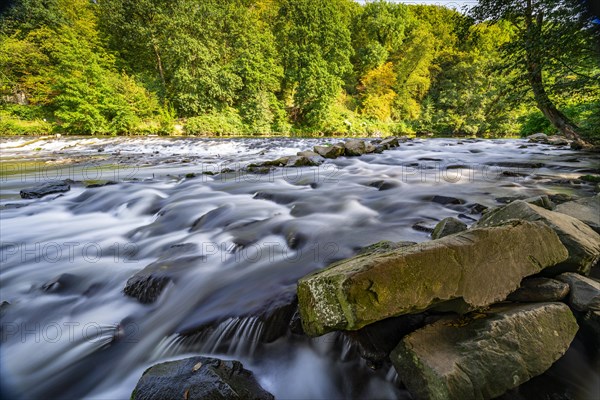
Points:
(123, 254)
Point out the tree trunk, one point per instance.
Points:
(534, 75)
(159, 65)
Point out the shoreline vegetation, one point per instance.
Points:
(297, 68)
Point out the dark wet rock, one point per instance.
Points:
(383, 185)
(580, 240)
(334, 151)
(584, 292)
(376, 341)
(483, 357)
(277, 197)
(62, 283)
(259, 170)
(539, 289)
(469, 266)
(525, 167)
(448, 226)
(355, 147)
(444, 200)
(466, 217)
(198, 378)
(45, 189)
(513, 174)
(422, 227)
(477, 208)
(541, 201)
(11, 206)
(509, 199)
(586, 209)
(4, 305)
(212, 219)
(149, 283)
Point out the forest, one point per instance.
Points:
(298, 67)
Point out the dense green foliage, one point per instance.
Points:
(228, 67)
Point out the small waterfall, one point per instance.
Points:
(234, 336)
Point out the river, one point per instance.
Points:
(246, 239)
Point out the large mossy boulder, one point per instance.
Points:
(198, 378)
(485, 356)
(580, 240)
(476, 267)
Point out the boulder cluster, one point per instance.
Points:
(510, 294)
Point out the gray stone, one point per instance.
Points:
(585, 292)
(477, 267)
(586, 210)
(390, 142)
(355, 147)
(301, 161)
(557, 140)
(538, 138)
(482, 358)
(581, 241)
(540, 289)
(334, 151)
(198, 378)
(45, 189)
(448, 226)
(313, 157)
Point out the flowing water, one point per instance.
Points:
(70, 332)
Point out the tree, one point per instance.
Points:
(541, 26)
(315, 45)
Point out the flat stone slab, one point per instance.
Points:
(478, 267)
(484, 357)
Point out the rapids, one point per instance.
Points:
(70, 332)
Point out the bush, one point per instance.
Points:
(219, 123)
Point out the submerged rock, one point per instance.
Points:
(581, 241)
(484, 357)
(448, 226)
(148, 284)
(45, 189)
(198, 378)
(586, 210)
(477, 267)
(540, 290)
